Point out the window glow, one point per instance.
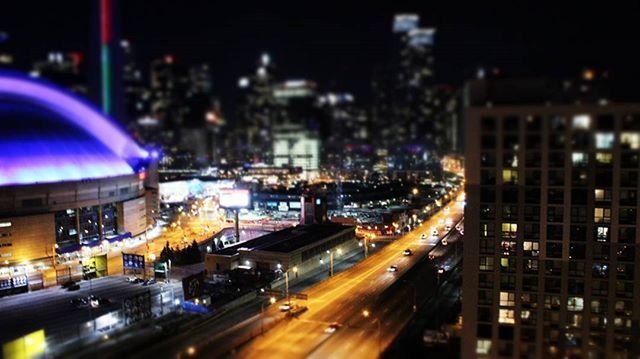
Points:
(604, 140)
(581, 122)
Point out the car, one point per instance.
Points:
(297, 310)
(67, 284)
(333, 327)
(393, 268)
(441, 270)
(73, 287)
(423, 236)
(447, 228)
(407, 252)
(286, 307)
(432, 338)
(445, 242)
(434, 232)
(96, 301)
(149, 282)
(79, 302)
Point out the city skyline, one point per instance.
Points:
(295, 180)
(340, 49)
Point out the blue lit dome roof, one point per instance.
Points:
(48, 135)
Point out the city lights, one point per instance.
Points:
(401, 184)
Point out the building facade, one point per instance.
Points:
(550, 255)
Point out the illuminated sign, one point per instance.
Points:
(405, 22)
(132, 261)
(235, 198)
(421, 37)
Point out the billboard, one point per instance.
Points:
(193, 285)
(132, 261)
(235, 198)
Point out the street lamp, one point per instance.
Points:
(365, 313)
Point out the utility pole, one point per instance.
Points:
(331, 263)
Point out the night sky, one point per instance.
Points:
(337, 43)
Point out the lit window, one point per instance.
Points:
(506, 316)
(579, 159)
(510, 176)
(630, 140)
(525, 314)
(581, 122)
(486, 263)
(575, 304)
(602, 195)
(604, 140)
(530, 246)
(602, 234)
(602, 215)
(5, 224)
(509, 230)
(604, 158)
(483, 346)
(507, 299)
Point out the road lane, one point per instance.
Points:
(344, 296)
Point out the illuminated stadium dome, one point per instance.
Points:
(50, 136)
(72, 183)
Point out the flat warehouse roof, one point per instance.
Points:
(288, 239)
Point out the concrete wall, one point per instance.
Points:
(133, 214)
(27, 238)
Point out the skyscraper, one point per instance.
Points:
(550, 257)
(404, 97)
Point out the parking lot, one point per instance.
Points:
(52, 308)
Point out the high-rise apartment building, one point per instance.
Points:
(551, 255)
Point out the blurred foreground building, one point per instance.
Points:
(551, 255)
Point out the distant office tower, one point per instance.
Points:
(295, 146)
(404, 97)
(313, 209)
(63, 69)
(258, 111)
(551, 255)
(136, 92)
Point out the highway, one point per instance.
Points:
(342, 299)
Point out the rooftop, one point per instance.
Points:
(288, 239)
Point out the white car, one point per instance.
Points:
(393, 268)
(423, 236)
(286, 307)
(444, 242)
(434, 233)
(333, 327)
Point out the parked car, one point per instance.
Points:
(67, 284)
(393, 268)
(407, 252)
(73, 287)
